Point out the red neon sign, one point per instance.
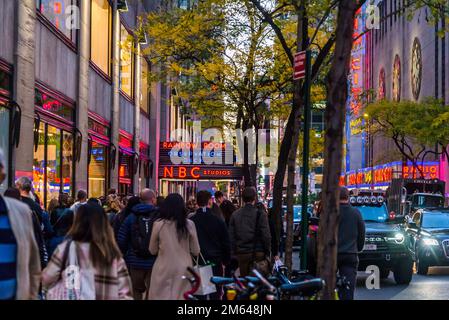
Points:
(200, 172)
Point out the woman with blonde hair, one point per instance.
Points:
(92, 242)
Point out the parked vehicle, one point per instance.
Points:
(297, 214)
(429, 232)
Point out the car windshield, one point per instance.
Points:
(428, 201)
(296, 212)
(373, 213)
(436, 220)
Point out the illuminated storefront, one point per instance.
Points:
(382, 175)
(53, 144)
(127, 163)
(186, 178)
(99, 133)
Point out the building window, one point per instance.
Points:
(98, 170)
(61, 14)
(53, 163)
(145, 92)
(101, 35)
(53, 105)
(126, 62)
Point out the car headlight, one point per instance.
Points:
(399, 237)
(430, 242)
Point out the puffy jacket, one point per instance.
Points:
(242, 230)
(124, 239)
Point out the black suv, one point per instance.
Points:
(429, 231)
(386, 242)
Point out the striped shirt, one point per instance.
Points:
(8, 256)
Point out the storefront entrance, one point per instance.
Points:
(53, 162)
(98, 170)
(98, 166)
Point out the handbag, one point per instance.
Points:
(205, 273)
(261, 265)
(74, 283)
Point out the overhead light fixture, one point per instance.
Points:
(122, 5)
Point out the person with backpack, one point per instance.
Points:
(134, 242)
(91, 248)
(212, 235)
(250, 235)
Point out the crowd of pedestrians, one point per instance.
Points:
(136, 247)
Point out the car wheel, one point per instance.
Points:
(422, 268)
(384, 273)
(403, 271)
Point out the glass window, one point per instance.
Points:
(67, 162)
(436, 220)
(101, 34)
(55, 106)
(145, 94)
(53, 163)
(4, 143)
(61, 14)
(5, 83)
(317, 117)
(98, 127)
(126, 62)
(97, 170)
(39, 164)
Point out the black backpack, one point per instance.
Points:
(141, 233)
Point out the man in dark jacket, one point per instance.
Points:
(212, 234)
(250, 244)
(140, 265)
(351, 238)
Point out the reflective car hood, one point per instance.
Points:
(376, 227)
(437, 231)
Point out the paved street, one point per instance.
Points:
(434, 286)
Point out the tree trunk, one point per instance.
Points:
(333, 146)
(291, 187)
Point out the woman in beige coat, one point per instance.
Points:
(174, 241)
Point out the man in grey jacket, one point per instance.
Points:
(249, 233)
(351, 238)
